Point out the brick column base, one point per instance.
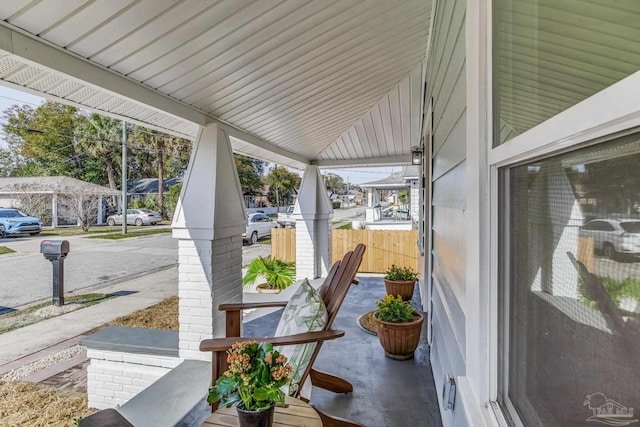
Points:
(209, 273)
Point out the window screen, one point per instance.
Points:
(571, 295)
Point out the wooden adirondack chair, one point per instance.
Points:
(333, 292)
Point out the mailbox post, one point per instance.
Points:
(56, 251)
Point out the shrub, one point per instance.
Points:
(400, 273)
(394, 309)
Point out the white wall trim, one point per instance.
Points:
(374, 161)
(570, 127)
(479, 258)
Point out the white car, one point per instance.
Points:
(613, 236)
(258, 226)
(136, 217)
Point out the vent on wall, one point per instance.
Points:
(449, 393)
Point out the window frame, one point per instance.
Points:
(548, 139)
(566, 131)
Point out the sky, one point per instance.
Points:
(9, 97)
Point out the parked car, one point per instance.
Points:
(286, 219)
(136, 217)
(613, 236)
(259, 226)
(13, 222)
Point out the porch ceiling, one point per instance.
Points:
(295, 82)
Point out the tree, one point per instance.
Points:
(45, 139)
(80, 205)
(334, 183)
(172, 199)
(403, 196)
(33, 203)
(154, 147)
(100, 136)
(282, 185)
(250, 172)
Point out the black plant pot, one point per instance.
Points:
(261, 418)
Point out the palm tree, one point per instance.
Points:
(100, 137)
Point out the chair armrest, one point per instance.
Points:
(232, 314)
(247, 305)
(224, 344)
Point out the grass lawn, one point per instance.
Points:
(6, 250)
(75, 231)
(45, 310)
(133, 233)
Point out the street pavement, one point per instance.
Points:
(343, 216)
(26, 277)
(139, 293)
(142, 269)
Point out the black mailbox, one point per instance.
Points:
(56, 251)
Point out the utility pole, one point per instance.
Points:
(124, 177)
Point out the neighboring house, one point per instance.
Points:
(385, 192)
(145, 187)
(46, 194)
(350, 198)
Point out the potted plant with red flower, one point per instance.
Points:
(253, 382)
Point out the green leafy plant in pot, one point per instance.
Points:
(399, 326)
(278, 274)
(400, 281)
(252, 383)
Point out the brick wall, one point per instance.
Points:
(313, 238)
(114, 377)
(209, 273)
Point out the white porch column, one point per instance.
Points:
(100, 212)
(312, 212)
(54, 211)
(209, 221)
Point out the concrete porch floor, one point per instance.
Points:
(387, 393)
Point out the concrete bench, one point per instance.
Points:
(138, 372)
(167, 401)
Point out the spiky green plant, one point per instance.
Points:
(278, 274)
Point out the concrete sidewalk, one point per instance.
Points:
(145, 291)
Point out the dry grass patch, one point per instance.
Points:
(44, 311)
(35, 405)
(163, 315)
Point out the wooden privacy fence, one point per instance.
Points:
(283, 243)
(384, 247)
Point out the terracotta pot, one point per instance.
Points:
(400, 340)
(265, 289)
(262, 418)
(404, 288)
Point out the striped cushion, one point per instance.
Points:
(305, 312)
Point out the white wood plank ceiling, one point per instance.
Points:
(301, 81)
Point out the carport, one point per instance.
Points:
(12, 189)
